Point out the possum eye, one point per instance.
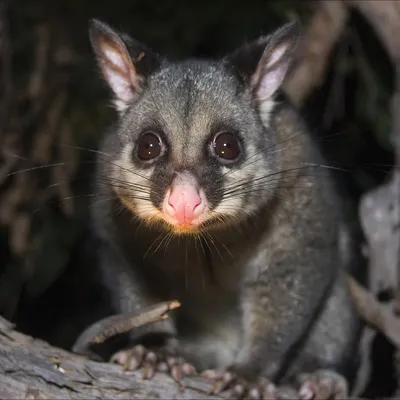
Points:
(226, 146)
(149, 146)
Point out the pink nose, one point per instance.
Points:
(184, 204)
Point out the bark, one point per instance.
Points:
(32, 369)
(324, 30)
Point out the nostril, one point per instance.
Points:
(197, 203)
(184, 203)
(171, 204)
(199, 207)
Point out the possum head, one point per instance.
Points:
(194, 137)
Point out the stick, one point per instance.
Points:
(374, 313)
(323, 32)
(121, 323)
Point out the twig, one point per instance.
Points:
(374, 313)
(384, 18)
(323, 32)
(117, 324)
(380, 209)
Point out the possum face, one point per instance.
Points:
(194, 136)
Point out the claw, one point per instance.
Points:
(188, 369)
(212, 374)
(254, 394)
(176, 373)
(282, 393)
(238, 391)
(223, 383)
(240, 388)
(148, 372)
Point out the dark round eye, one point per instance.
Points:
(226, 146)
(149, 146)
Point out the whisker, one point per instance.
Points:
(126, 169)
(249, 191)
(161, 242)
(186, 263)
(226, 249)
(320, 140)
(260, 182)
(170, 236)
(84, 149)
(100, 202)
(245, 180)
(267, 149)
(65, 199)
(213, 243)
(120, 184)
(287, 172)
(151, 246)
(325, 166)
(9, 153)
(34, 168)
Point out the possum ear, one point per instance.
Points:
(266, 61)
(275, 61)
(124, 62)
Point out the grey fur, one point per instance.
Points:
(262, 292)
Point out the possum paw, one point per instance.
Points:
(323, 385)
(240, 388)
(153, 360)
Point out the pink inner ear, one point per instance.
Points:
(114, 58)
(119, 71)
(271, 72)
(276, 54)
(270, 83)
(119, 85)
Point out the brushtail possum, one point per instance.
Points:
(212, 192)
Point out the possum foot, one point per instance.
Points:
(323, 385)
(151, 361)
(239, 387)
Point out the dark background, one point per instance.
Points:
(55, 108)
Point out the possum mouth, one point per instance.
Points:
(153, 216)
(209, 221)
(185, 227)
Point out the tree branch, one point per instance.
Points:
(380, 208)
(323, 32)
(384, 16)
(121, 323)
(31, 368)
